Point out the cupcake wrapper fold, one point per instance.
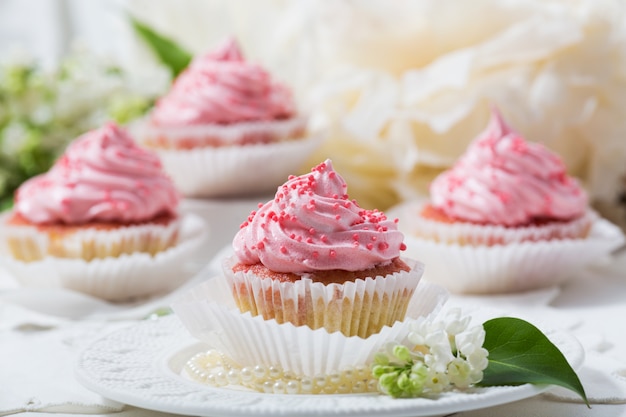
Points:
(357, 308)
(230, 160)
(236, 170)
(209, 312)
(472, 234)
(216, 135)
(512, 267)
(119, 278)
(27, 243)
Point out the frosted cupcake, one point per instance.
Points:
(505, 217)
(105, 198)
(227, 128)
(311, 256)
(502, 190)
(315, 286)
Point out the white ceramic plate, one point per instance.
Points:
(141, 366)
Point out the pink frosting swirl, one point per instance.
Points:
(311, 224)
(504, 180)
(220, 87)
(102, 176)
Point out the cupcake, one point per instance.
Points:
(502, 190)
(312, 287)
(105, 198)
(312, 257)
(506, 217)
(227, 128)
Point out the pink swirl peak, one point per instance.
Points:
(504, 180)
(220, 87)
(103, 176)
(311, 224)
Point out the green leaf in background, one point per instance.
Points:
(519, 353)
(172, 55)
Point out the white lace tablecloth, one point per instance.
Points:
(43, 331)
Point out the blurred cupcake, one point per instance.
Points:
(104, 199)
(313, 257)
(505, 217)
(227, 128)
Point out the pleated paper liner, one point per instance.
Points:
(513, 267)
(120, 278)
(230, 168)
(465, 233)
(32, 243)
(209, 312)
(357, 308)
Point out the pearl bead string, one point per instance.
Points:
(216, 369)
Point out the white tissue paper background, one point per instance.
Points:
(405, 86)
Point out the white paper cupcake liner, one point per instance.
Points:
(473, 234)
(235, 134)
(358, 308)
(512, 267)
(236, 170)
(30, 244)
(116, 278)
(209, 313)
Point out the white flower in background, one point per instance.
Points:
(42, 111)
(13, 138)
(403, 87)
(430, 69)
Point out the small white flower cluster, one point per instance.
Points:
(42, 111)
(444, 355)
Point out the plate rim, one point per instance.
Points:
(170, 338)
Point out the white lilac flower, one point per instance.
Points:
(443, 355)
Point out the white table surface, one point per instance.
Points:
(592, 306)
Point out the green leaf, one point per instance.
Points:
(172, 55)
(520, 353)
(6, 203)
